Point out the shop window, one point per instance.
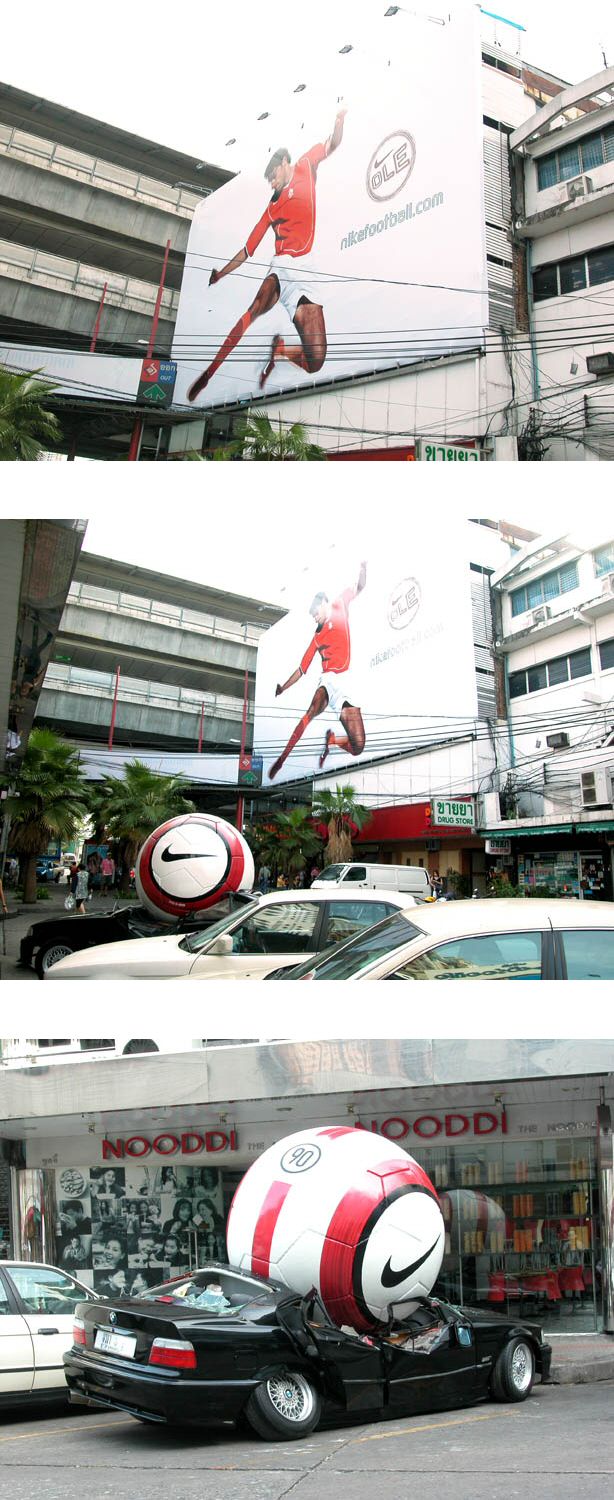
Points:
(603, 560)
(589, 955)
(606, 655)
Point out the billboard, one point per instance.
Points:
(353, 240)
(375, 655)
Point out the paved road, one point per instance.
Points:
(557, 1446)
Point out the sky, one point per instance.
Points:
(194, 75)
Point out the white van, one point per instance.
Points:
(411, 878)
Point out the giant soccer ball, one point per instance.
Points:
(346, 1212)
(190, 863)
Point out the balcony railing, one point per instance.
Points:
(57, 273)
(55, 157)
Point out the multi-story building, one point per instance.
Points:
(553, 804)
(86, 213)
(563, 221)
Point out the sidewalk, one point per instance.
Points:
(580, 1359)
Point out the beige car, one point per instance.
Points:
(274, 931)
(524, 938)
(37, 1305)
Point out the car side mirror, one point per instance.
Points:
(464, 1335)
(222, 946)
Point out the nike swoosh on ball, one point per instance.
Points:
(394, 1278)
(168, 858)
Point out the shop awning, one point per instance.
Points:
(519, 833)
(595, 827)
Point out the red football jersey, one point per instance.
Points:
(332, 640)
(293, 214)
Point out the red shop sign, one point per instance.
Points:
(189, 1144)
(433, 1127)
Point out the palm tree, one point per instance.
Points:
(130, 807)
(342, 815)
(48, 802)
(26, 426)
(258, 439)
(287, 841)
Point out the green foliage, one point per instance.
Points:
(126, 809)
(42, 894)
(260, 441)
(26, 426)
(342, 813)
(286, 842)
(49, 801)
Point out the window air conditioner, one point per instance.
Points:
(558, 741)
(596, 788)
(541, 614)
(607, 584)
(578, 188)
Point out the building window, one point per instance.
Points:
(603, 560)
(552, 673)
(574, 274)
(606, 655)
(570, 161)
(540, 590)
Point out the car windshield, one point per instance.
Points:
(196, 940)
(349, 958)
(332, 872)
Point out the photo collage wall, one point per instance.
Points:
(123, 1229)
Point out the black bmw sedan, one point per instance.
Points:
(222, 1344)
(45, 943)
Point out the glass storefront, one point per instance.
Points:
(564, 872)
(522, 1228)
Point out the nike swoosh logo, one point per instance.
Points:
(169, 859)
(381, 161)
(394, 1278)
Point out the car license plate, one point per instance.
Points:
(114, 1343)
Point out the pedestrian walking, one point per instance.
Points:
(81, 889)
(264, 879)
(107, 871)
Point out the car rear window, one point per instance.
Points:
(498, 955)
(589, 955)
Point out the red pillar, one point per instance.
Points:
(98, 317)
(114, 709)
(133, 451)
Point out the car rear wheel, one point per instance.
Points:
(47, 957)
(285, 1406)
(514, 1372)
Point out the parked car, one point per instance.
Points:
(276, 930)
(410, 878)
(184, 1355)
(37, 1307)
(47, 868)
(46, 942)
(524, 938)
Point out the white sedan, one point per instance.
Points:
(37, 1305)
(525, 938)
(273, 932)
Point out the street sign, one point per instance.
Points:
(432, 450)
(498, 846)
(157, 382)
(250, 770)
(447, 812)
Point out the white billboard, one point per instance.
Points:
(353, 241)
(375, 655)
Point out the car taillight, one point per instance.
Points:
(176, 1354)
(78, 1331)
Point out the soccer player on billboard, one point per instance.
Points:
(291, 213)
(332, 641)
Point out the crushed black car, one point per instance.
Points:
(221, 1344)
